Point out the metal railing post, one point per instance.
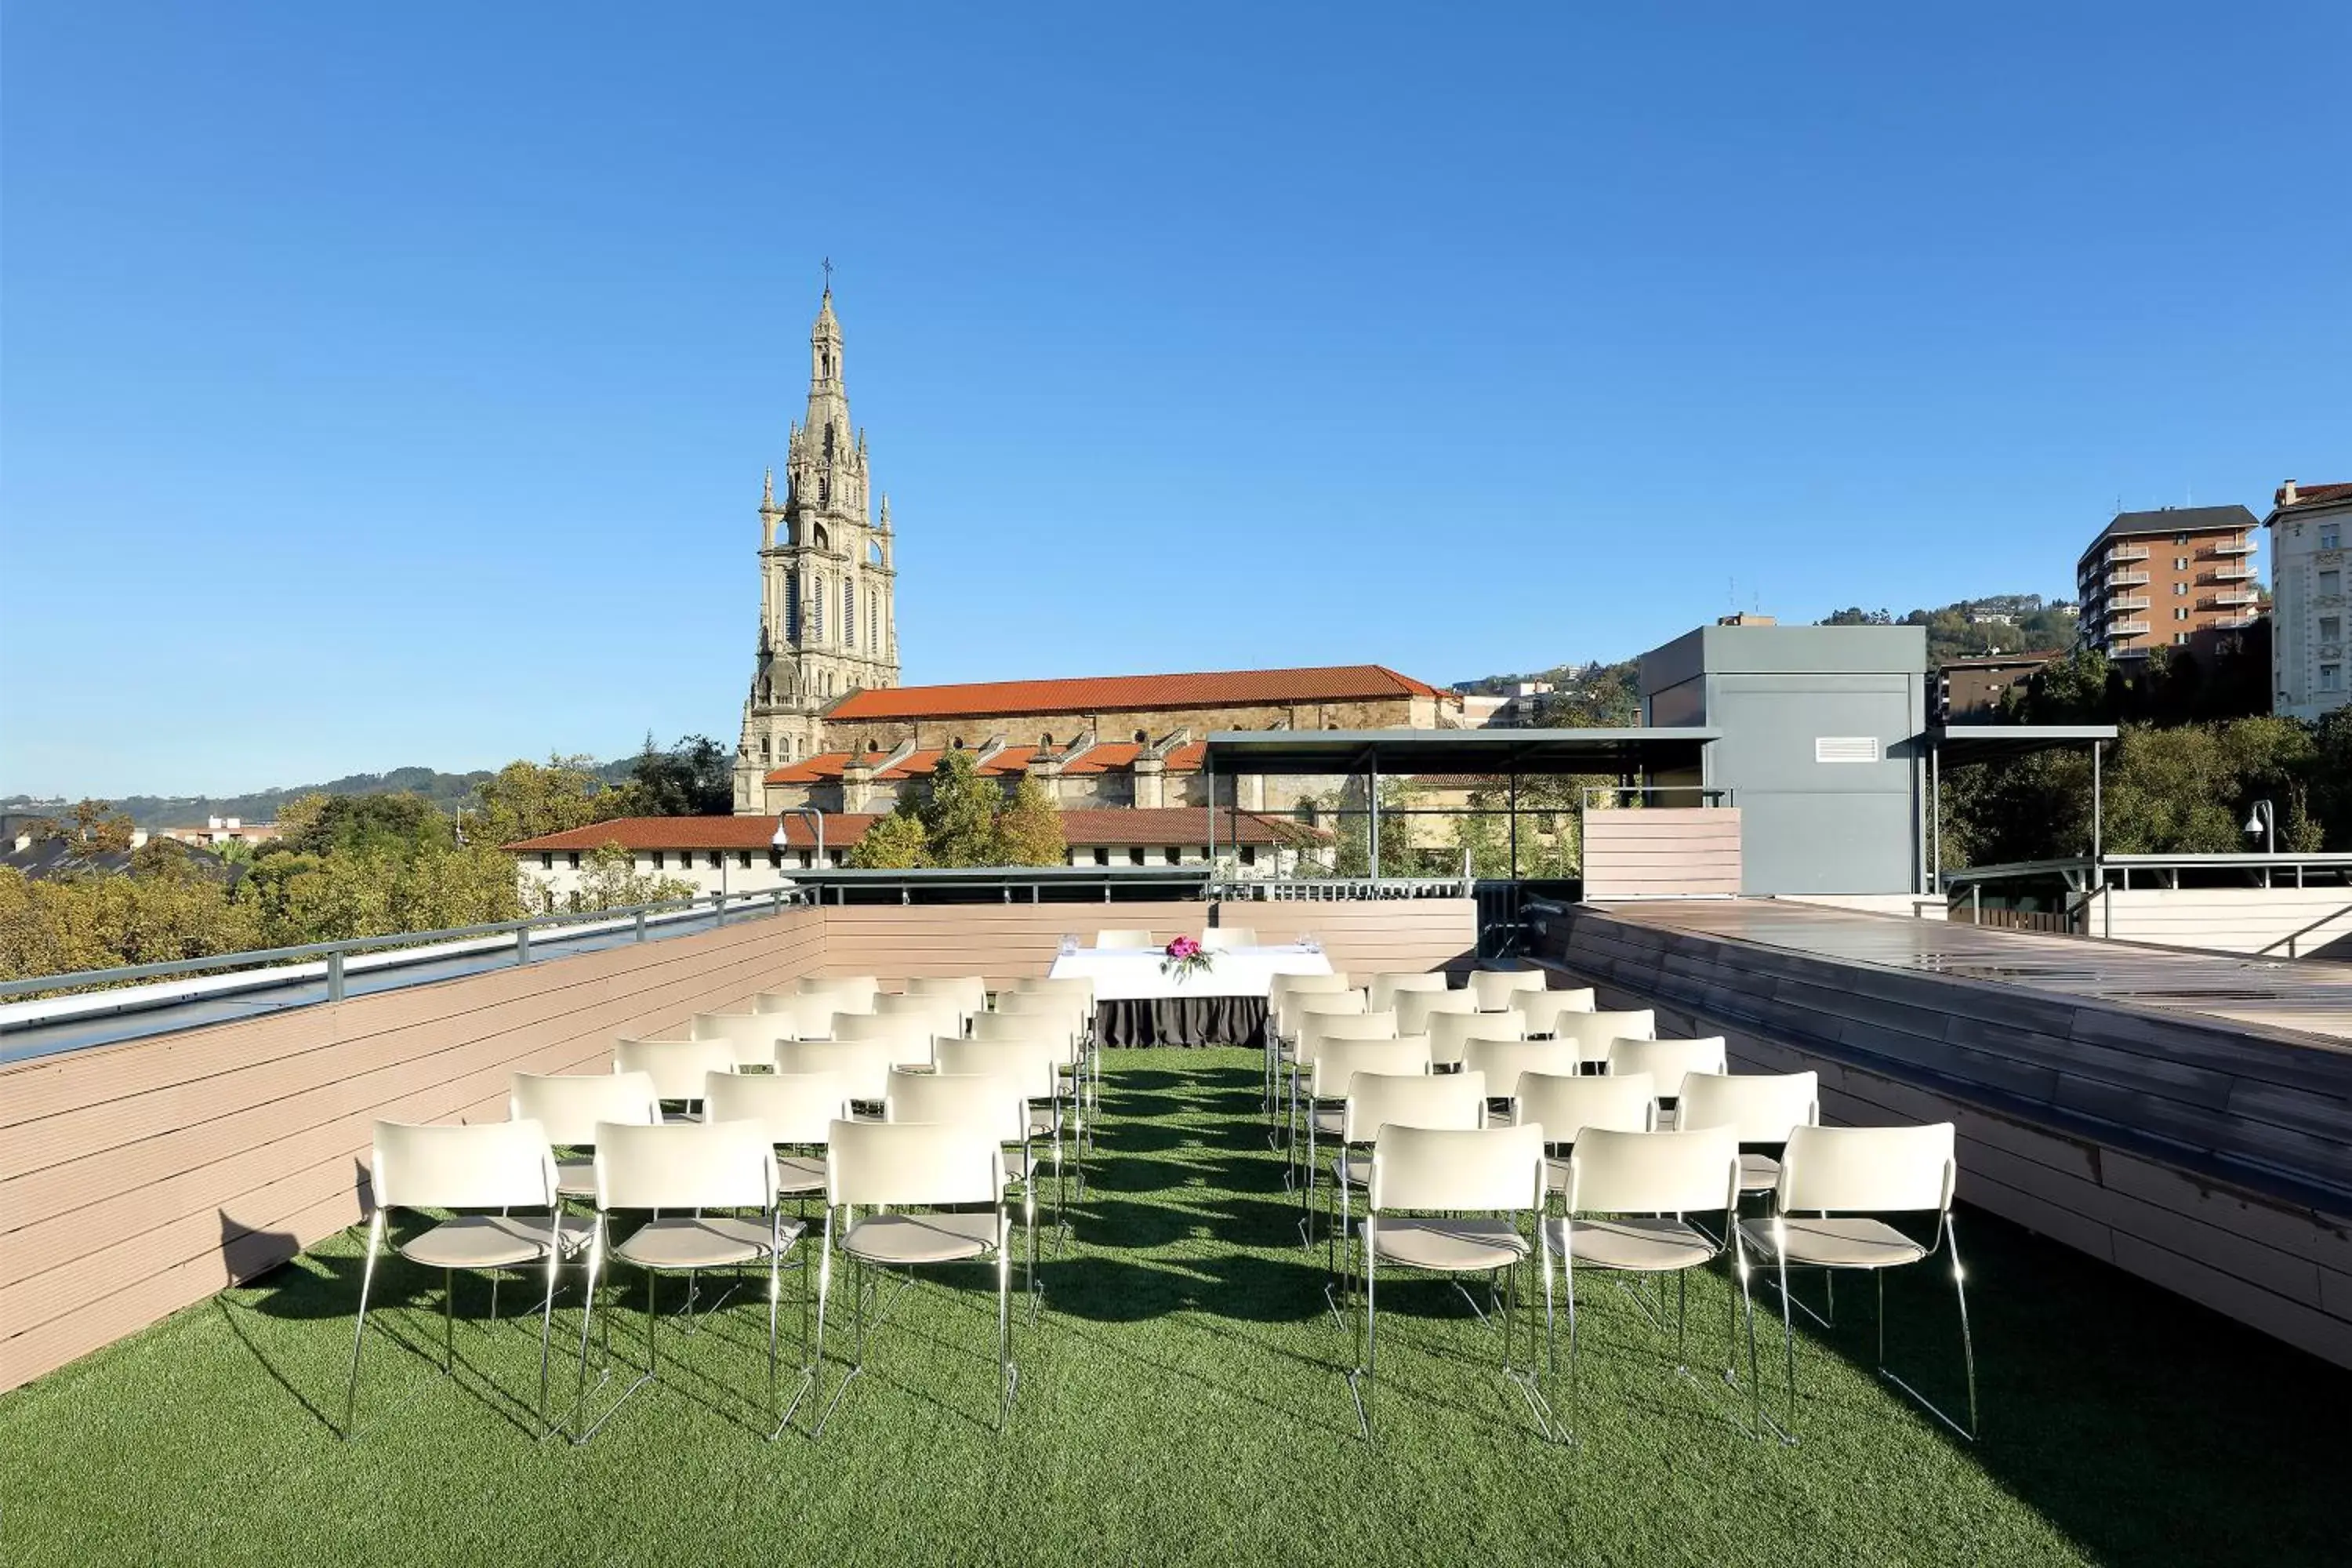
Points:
(640, 924)
(335, 976)
(523, 946)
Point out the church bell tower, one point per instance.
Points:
(827, 622)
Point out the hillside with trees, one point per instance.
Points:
(1999, 622)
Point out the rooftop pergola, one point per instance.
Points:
(1963, 745)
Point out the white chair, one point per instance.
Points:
(685, 1169)
(1035, 1063)
(1078, 988)
(1279, 989)
(849, 993)
(1594, 1033)
(1124, 938)
(1644, 1183)
(797, 1109)
(1759, 1107)
(1416, 1008)
(1375, 1100)
(1566, 1102)
(1834, 1182)
(969, 993)
(1064, 1009)
(1502, 1062)
(1543, 1008)
(908, 1035)
(861, 1069)
(753, 1035)
(1423, 1184)
(677, 1068)
(1668, 1061)
(797, 1015)
(501, 1165)
(1314, 1028)
(1450, 1034)
(937, 1013)
(1497, 989)
(1383, 989)
(568, 1106)
(1334, 1065)
(995, 1104)
(1223, 939)
(888, 1167)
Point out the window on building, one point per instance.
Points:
(2331, 628)
(2331, 678)
(2180, 564)
(2331, 536)
(817, 609)
(808, 859)
(848, 613)
(1102, 856)
(1175, 856)
(744, 859)
(547, 860)
(2180, 538)
(575, 859)
(1249, 854)
(775, 859)
(2179, 590)
(1135, 856)
(2181, 614)
(657, 860)
(2330, 582)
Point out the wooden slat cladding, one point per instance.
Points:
(2205, 1157)
(1675, 850)
(138, 1178)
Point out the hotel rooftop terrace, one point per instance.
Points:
(2149, 1203)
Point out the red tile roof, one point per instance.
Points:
(1104, 693)
(701, 833)
(1108, 757)
(2307, 495)
(1108, 827)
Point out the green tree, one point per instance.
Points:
(524, 800)
(694, 777)
(1029, 829)
(958, 814)
(891, 843)
(97, 828)
(609, 879)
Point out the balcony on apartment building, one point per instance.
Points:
(2126, 580)
(2121, 606)
(2126, 628)
(2118, 554)
(2235, 596)
(2236, 570)
(2231, 548)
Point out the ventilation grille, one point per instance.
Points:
(1846, 748)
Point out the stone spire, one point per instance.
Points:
(827, 574)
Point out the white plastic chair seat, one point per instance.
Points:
(1449, 1246)
(1354, 1169)
(713, 1242)
(1837, 1241)
(491, 1241)
(1637, 1246)
(1758, 1173)
(799, 1172)
(1332, 1120)
(1041, 1118)
(897, 1239)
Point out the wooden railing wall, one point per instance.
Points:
(136, 1179)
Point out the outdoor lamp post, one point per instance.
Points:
(2262, 821)
(816, 822)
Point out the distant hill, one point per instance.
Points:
(1592, 692)
(445, 790)
(1998, 623)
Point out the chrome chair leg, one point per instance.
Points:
(358, 1329)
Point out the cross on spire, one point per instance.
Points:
(828, 274)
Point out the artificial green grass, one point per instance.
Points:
(1183, 1400)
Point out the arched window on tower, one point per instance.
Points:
(792, 608)
(816, 608)
(848, 613)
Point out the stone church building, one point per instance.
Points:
(828, 724)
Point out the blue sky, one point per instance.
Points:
(384, 385)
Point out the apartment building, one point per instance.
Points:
(2307, 524)
(2157, 579)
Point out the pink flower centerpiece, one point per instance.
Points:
(1185, 958)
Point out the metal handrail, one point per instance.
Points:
(335, 952)
(1709, 794)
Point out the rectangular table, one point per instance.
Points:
(1136, 1005)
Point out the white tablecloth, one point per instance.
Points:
(1125, 974)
